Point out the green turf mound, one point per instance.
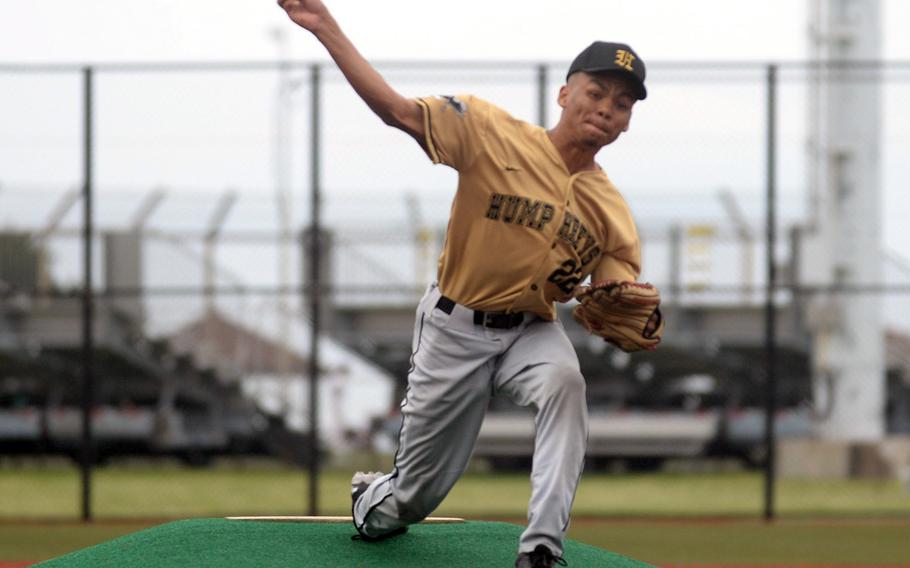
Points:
(220, 543)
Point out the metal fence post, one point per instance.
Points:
(770, 315)
(542, 94)
(87, 452)
(315, 289)
(676, 259)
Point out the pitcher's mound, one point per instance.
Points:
(221, 543)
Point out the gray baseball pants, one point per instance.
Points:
(457, 366)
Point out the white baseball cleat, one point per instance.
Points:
(361, 481)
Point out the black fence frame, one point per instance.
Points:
(313, 289)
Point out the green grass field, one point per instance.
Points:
(173, 492)
(707, 518)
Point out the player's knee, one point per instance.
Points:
(568, 383)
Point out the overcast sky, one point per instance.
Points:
(117, 30)
(40, 116)
(231, 144)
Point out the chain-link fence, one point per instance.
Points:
(202, 177)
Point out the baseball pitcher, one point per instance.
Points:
(533, 217)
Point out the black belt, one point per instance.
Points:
(494, 320)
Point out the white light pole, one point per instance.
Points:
(846, 241)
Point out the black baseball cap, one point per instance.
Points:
(603, 57)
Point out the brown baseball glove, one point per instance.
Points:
(626, 314)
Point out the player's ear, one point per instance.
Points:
(563, 95)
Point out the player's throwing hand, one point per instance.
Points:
(308, 14)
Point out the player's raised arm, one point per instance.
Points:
(394, 109)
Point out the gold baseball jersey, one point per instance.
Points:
(523, 231)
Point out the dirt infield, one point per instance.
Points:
(26, 564)
(22, 564)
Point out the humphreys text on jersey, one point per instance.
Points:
(535, 214)
(526, 212)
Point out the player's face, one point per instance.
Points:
(596, 108)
